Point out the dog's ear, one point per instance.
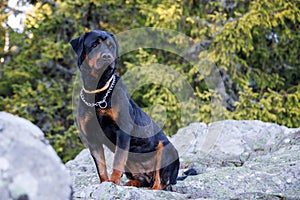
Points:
(117, 44)
(78, 46)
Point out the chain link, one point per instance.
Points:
(102, 103)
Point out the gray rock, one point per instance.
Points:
(234, 160)
(87, 186)
(242, 159)
(29, 167)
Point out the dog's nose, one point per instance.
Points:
(107, 56)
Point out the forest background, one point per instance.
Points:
(254, 44)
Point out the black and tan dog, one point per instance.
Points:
(108, 116)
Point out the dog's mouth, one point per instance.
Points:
(105, 65)
(105, 68)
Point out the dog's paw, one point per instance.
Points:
(157, 187)
(135, 183)
(105, 180)
(115, 177)
(115, 181)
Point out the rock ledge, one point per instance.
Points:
(233, 159)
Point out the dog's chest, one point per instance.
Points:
(107, 121)
(111, 113)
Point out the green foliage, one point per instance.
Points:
(67, 145)
(247, 49)
(254, 44)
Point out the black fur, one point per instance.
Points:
(122, 126)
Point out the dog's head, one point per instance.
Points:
(96, 50)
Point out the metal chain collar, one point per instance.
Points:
(102, 103)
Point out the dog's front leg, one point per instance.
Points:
(99, 159)
(121, 155)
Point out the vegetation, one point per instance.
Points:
(254, 44)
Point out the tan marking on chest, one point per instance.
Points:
(111, 112)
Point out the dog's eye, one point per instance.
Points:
(111, 47)
(95, 45)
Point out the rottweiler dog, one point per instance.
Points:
(107, 116)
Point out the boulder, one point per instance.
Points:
(29, 167)
(240, 159)
(233, 160)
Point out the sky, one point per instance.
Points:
(16, 21)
